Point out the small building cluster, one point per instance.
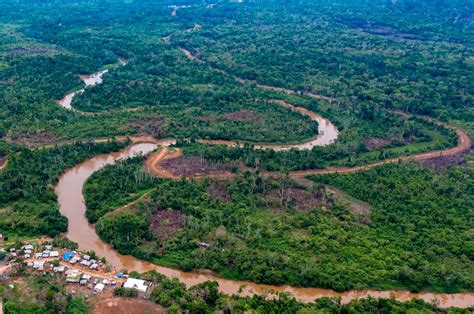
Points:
(77, 268)
(27, 251)
(74, 258)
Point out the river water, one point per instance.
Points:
(89, 80)
(71, 204)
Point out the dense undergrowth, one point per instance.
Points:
(273, 231)
(27, 199)
(373, 57)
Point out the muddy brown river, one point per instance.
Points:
(71, 203)
(89, 80)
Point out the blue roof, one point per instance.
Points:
(68, 255)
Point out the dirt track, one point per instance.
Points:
(121, 305)
(193, 57)
(464, 144)
(153, 162)
(4, 163)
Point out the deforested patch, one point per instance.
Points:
(166, 223)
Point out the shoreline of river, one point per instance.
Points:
(89, 80)
(71, 202)
(72, 205)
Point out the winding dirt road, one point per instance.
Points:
(71, 203)
(153, 163)
(194, 57)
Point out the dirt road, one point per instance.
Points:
(464, 144)
(4, 163)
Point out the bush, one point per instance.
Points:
(125, 292)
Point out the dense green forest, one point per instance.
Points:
(351, 151)
(275, 231)
(372, 52)
(43, 55)
(130, 181)
(27, 200)
(369, 59)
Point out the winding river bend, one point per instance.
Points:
(89, 80)
(71, 203)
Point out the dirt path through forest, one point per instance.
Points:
(4, 163)
(194, 57)
(464, 144)
(71, 203)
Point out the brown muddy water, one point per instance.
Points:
(71, 204)
(327, 133)
(89, 80)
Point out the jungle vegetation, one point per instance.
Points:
(276, 231)
(43, 55)
(35, 294)
(371, 57)
(205, 298)
(27, 199)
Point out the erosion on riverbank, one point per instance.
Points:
(140, 265)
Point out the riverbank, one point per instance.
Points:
(89, 80)
(72, 206)
(71, 202)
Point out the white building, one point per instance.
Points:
(59, 269)
(99, 287)
(54, 254)
(137, 284)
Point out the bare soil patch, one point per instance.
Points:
(165, 224)
(151, 126)
(193, 166)
(376, 142)
(37, 139)
(444, 162)
(301, 200)
(119, 305)
(380, 142)
(22, 51)
(209, 118)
